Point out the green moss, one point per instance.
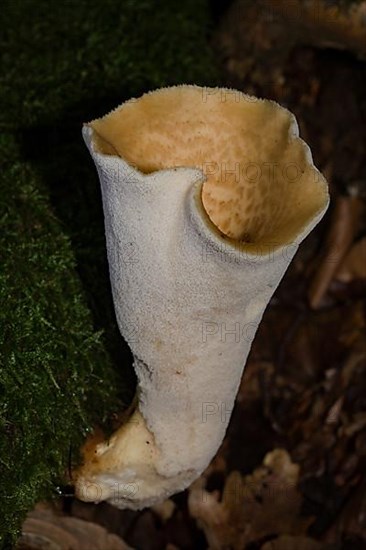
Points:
(62, 359)
(55, 376)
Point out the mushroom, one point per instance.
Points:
(207, 194)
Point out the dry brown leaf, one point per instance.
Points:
(211, 517)
(44, 529)
(326, 24)
(262, 504)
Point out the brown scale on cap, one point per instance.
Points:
(261, 185)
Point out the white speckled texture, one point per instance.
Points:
(188, 302)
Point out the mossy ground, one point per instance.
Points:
(55, 375)
(63, 364)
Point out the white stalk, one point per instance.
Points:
(203, 215)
